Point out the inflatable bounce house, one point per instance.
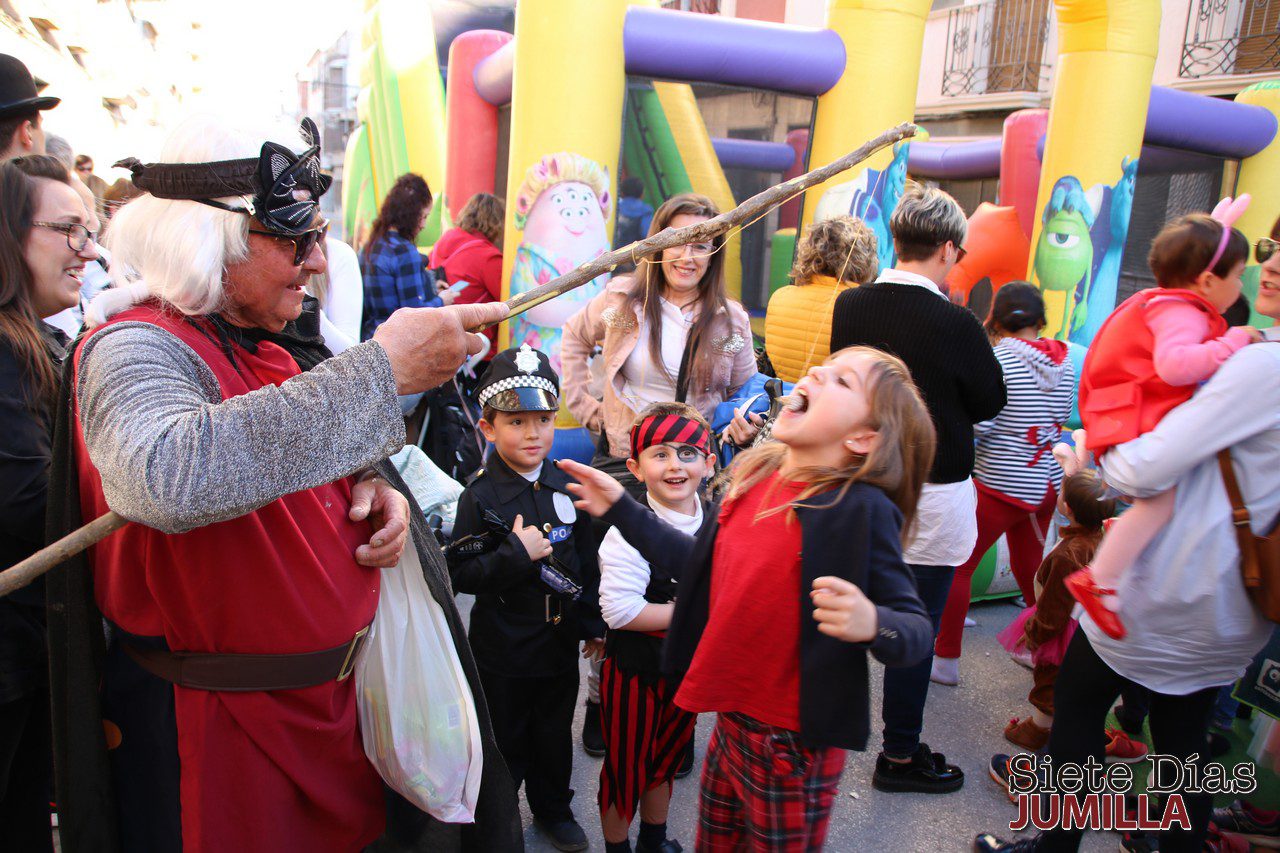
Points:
(587, 89)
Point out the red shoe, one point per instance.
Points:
(1083, 589)
(1122, 748)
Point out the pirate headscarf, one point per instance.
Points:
(280, 188)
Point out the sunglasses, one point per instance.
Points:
(302, 243)
(1265, 249)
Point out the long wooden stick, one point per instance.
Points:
(702, 231)
(64, 549)
(68, 546)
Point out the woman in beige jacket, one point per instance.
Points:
(666, 332)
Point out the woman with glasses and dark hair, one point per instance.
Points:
(667, 332)
(394, 271)
(44, 245)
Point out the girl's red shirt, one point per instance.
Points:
(749, 658)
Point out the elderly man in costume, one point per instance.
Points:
(205, 406)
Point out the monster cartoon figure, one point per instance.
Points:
(561, 207)
(1064, 255)
(1102, 296)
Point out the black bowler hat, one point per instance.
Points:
(18, 89)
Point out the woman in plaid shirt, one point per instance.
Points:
(394, 271)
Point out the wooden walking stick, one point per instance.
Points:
(700, 232)
(68, 546)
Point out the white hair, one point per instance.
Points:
(178, 250)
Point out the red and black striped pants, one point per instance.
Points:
(762, 790)
(645, 735)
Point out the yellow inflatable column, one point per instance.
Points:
(408, 41)
(1260, 178)
(882, 42)
(566, 132)
(1106, 55)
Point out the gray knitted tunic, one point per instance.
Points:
(174, 455)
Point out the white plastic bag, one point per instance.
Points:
(417, 715)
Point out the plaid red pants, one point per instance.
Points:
(762, 790)
(645, 736)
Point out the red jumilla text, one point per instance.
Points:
(1097, 812)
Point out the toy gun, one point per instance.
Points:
(552, 574)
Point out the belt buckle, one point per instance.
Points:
(349, 662)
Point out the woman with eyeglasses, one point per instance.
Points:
(667, 332)
(44, 245)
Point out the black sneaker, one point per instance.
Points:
(686, 761)
(592, 731)
(1130, 725)
(563, 834)
(926, 773)
(988, 843)
(670, 845)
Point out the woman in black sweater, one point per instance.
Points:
(44, 244)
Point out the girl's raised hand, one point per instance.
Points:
(842, 611)
(595, 490)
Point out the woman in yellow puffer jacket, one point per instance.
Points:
(834, 255)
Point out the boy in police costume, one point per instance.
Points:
(526, 625)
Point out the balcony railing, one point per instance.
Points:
(1231, 37)
(707, 7)
(996, 46)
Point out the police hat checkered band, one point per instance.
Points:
(513, 382)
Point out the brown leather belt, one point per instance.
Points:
(246, 673)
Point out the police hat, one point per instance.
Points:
(519, 380)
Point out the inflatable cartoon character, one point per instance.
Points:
(1106, 279)
(561, 207)
(1064, 256)
(871, 197)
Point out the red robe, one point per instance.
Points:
(1121, 395)
(277, 771)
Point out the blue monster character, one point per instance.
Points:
(875, 205)
(1102, 297)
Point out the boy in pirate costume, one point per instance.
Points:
(529, 557)
(645, 734)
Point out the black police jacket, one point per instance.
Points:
(516, 628)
